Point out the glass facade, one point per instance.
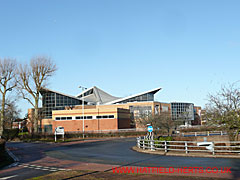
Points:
(182, 111)
(55, 101)
(137, 111)
(144, 97)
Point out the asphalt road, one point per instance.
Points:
(26, 153)
(114, 152)
(119, 152)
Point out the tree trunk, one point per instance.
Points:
(35, 119)
(2, 115)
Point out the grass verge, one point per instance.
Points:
(94, 175)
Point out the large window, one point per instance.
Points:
(138, 111)
(182, 111)
(144, 97)
(55, 101)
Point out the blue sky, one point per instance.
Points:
(189, 48)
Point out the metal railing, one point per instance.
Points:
(203, 133)
(220, 147)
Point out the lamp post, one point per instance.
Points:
(83, 88)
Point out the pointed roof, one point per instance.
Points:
(153, 91)
(49, 90)
(96, 95)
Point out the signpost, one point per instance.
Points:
(59, 131)
(150, 129)
(150, 132)
(150, 136)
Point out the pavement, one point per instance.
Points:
(36, 159)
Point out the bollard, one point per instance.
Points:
(138, 142)
(152, 145)
(213, 152)
(165, 144)
(186, 148)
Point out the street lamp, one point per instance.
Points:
(83, 88)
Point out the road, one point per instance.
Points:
(41, 158)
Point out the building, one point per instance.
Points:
(96, 110)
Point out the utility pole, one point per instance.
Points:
(83, 88)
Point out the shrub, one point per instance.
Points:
(161, 138)
(167, 138)
(10, 134)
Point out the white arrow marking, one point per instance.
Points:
(9, 177)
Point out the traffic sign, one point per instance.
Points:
(150, 128)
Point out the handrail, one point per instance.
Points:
(188, 146)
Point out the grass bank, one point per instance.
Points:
(86, 175)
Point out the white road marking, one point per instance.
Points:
(62, 169)
(9, 177)
(44, 168)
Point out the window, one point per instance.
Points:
(105, 117)
(164, 109)
(63, 118)
(182, 111)
(57, 118)
(69, 118)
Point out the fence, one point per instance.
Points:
(204, 133)
(220, 147)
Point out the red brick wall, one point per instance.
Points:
(89, 125)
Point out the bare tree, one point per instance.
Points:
(11, 112)
(223, 109)
(162, 121)
(8, 75)
(33, 78)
